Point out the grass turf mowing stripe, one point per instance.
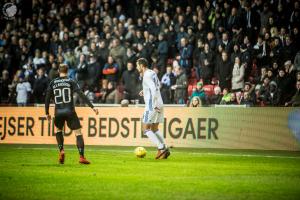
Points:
(31, 172)
(194, 153)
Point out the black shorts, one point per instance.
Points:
(71, 119)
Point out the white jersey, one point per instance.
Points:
(151, 90)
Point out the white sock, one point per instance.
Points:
(153, 138)
(161, 139)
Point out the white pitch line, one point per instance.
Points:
(193, 153)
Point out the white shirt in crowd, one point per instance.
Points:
(22, 92)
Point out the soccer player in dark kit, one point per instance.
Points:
(62, 90)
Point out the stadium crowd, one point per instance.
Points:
(237, 52)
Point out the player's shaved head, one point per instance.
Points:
(63, 68)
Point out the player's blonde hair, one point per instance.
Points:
(63, 68)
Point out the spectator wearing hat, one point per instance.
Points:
(199, 92)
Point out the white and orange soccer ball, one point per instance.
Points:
(140, 152)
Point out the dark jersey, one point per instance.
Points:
(62, 90)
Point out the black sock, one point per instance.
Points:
(80, 144)
(60, 140)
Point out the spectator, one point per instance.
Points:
(216, 97)
(93, 70)
(206, 64)
(246, 100)
(111, 94)
(53, 73)
(225, 42)
(180, 86)
(81, 71)
(70, 60)
(249, 88)
(195, 102)
(186, 52)
(38, 60)
(118, 53)
(238, 73)
(4, 83)
(264, 89)
(199, 92)
(103, 52)
(259, 40)
(224, 71)
(167, 81)
(110, 70)
(297, 61)
(272, 96)
(23, 90)
(162, 51)
(295, 101)
(130, 80)
(233, 99)
(226, 97)
(40, 86)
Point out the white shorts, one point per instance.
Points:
(153, 117)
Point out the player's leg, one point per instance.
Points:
(59, 124)
(152, 137)
(146, 126)
(74, 124)
(163, 151)
(80, 146)
(155, 130)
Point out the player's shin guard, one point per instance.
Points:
(80, 144)
(60, 140)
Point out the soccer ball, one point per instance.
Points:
(140, 152)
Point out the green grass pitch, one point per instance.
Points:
(32, 172)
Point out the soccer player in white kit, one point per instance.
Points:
(154, 113)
